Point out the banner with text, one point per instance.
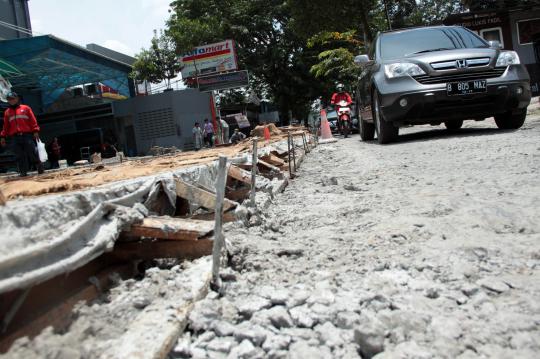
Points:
(210, 59)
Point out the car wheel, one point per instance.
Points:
(453, 125)
(386, 131)
(366, 129)
(508, 121)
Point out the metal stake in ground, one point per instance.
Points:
(304, 141)
(218, 233)
(293, 151)
(289, 154)
(254, 161)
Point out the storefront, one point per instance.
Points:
(516, 29)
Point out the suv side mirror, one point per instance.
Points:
(494, 44)
(361, 60)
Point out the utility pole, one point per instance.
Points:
(387, 15)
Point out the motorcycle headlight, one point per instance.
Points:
(402, 69)
(507, 58)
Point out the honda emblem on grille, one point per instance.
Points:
(461, 64)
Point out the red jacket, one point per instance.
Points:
(341, 96)
(19, 120)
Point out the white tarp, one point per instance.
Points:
(5, 88)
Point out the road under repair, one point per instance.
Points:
(425, 248)
(429, 247)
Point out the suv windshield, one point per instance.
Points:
(399, 44)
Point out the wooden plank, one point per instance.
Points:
(247, 167)
(268, 166)
(162, 249)
(60, 316)
(280, 153)
(227, 216)
(200, 196)
(238, 195)
(239, 174)
(273, 160)
(172, 229)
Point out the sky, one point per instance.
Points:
(121, 25)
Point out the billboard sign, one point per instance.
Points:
(241, 120)
(224, 81)
(209, 59)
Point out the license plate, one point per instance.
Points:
(466, 87)
(343, 109)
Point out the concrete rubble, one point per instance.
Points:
(399, 251)
(107, 326)
(388, 252)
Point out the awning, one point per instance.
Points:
(8, 70)
(51, 65)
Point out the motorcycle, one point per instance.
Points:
(344, 118)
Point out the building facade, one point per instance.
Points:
(515, 29)
(163, 120)
(14, 14)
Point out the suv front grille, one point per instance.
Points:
(478, 75)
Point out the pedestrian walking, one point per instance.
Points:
(21, 126)
(208, 133)
(237, 136)
(55, 153)
(198, 136)
(224, 131)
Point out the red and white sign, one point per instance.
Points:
(210, 59)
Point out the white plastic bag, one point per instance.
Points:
(42, 152)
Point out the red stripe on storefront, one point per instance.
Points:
(205, 56)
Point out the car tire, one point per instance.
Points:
(453, 125)
(509, 121)
(366, 129)
(386, 131)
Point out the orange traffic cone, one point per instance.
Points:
(326, 133)
(266, 134)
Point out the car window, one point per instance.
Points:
(399, 44)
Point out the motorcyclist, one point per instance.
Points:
(341, 95)
(337, 97)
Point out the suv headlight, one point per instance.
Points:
(507, 58)
(401, 69)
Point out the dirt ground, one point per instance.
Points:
(74, 178)
(426, 248)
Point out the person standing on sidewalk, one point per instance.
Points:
(21, 126)
(208, 133)
(224, 131)
(197, 136)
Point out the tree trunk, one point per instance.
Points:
(365, 22)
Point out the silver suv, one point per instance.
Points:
(438, 74)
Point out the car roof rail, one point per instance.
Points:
(418, 27)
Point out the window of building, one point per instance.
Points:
(527, 29)
(492, 34)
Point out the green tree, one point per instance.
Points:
(158, 63)
(336, 61)
(266, 44)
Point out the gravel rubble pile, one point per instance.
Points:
(428, 248)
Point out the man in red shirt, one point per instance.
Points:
(21, 126)
(341, 95)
